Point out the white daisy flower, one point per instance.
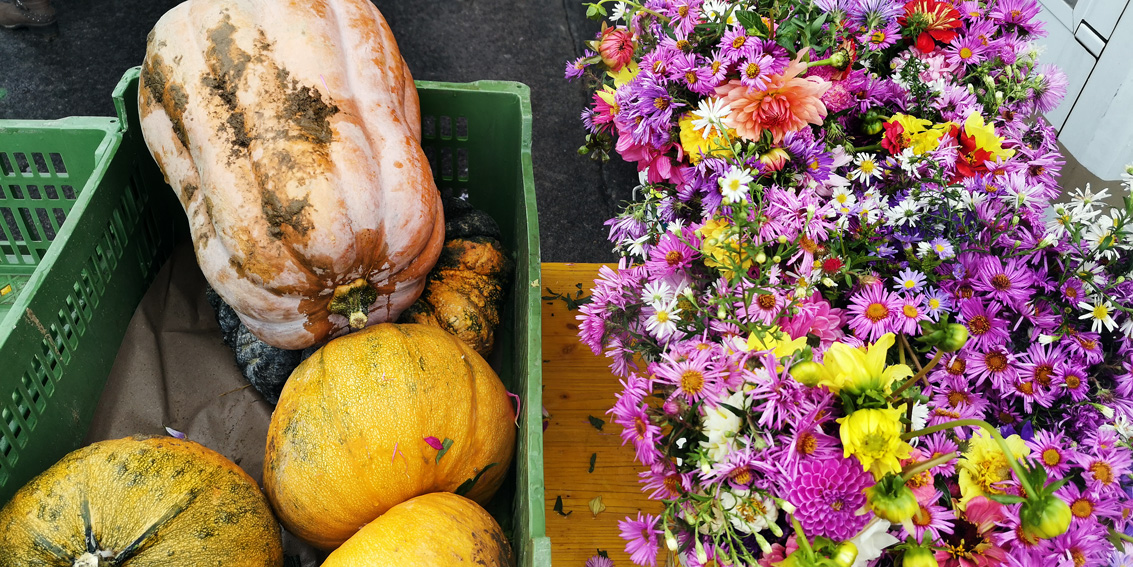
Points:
(1127, 327)
(843, 197)
(749, 512)
(1101, 314)
(657, 293)
(734, 185)
(663, 322)
(619, 12)
(1085, 200)
(905, 213)
(1102, 237)
(867, 168)
(710, 115)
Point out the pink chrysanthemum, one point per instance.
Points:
(788, 104)
(873, 309)
(818, 319)
(669, 256)
(695, 376)
(827, 494)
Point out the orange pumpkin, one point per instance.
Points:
(438, 530)
(350, 437)
(141, 502)
(291, 133)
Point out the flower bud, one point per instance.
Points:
(956, 336)
(670, 540)
(807, 373)
(918, 556)
(782, 239)
(701, 555)
(774, 159)
(1045, 517)
(840, 59)
(891, 500)
(776, 259)
(760, 258)
(845, 554)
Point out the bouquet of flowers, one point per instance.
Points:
(852, 321)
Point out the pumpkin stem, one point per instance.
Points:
(353, 301)
(89, 559)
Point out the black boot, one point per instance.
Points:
(26, 13)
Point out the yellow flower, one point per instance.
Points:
(984, 464)
(919, 134)
(985, 138)
(625, 75)
(856, 371)
(874, 437)
(721, 247)
(697, 146)
(779, 343)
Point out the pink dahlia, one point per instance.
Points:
(827, 493)
(787, 104)
(816, 318)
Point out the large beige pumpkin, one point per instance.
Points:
(290, 131)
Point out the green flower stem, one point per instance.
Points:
(1015, 466)
(653, 13)
(913, 380)
(800, 537)
(869, 148)
(1119, 535)
(921, 467)
(820, 62)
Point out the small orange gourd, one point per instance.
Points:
(140, 502)
(438, 529)
(358, 425)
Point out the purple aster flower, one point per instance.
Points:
(658, 61)
(695, 376)
(1008, 282)
(755, 71)
(908, 280)
(632, 414)
(669, 256)
(776, 396)
(1085, 345)
(599, 561)
(827, 494)
(808, 441)
(910, 312)
(997, 365)
(874, 13)
(654, 105)
(689, 70)
(1021, 13)
(936, 302)
(956, 397)
(664, 482)
(1103, 470)
(1052, 449)
(684, 14)
(937, 445)
(872, 310)
(641, 538)
(986, 328)
(966, 49)
(1051, 88)
(737, 44)
(1086, 506)
(576, 68)
(1072, 291)
(719, 67)
(932, 520)
(881, 37)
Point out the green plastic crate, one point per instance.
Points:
(70, 288)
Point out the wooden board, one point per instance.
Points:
(577, 384)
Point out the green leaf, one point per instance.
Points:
(592, 11)
(444, 448)
(602, 10)
(749, 20)
(559, 507)
(466, 486)
(602, 553)
(597, 423)
(593, 458)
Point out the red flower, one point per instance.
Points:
(893, 139)
(930, 21)
(970, 159)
